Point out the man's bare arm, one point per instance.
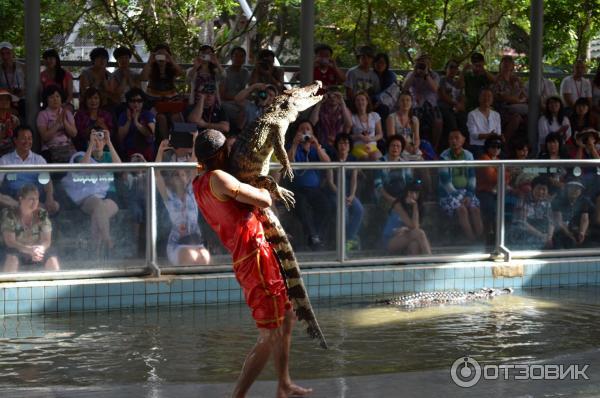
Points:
(227, 186)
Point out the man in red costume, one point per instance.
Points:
(228, 207)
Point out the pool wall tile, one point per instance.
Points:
(37, 293)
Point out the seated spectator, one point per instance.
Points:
(331, 117)
(13, 182)
(8, 122)
(553, 120)
(265, 70)
(185, 244)
(576, 86)
(510, 98)
(451, 100)
(97, 76)
(423, 84)
(554, 149)
(402, 232)
(483, 122)
(123, 78)
(391, 183)
(487, 184)
(136, 127)
(582, 117)
(532, 227)
(98, 197)
(254, 99)
(207, 113)
(235, 80)
(312, 204)
(55, 74)
(571, 210)
(404, 123)
(362, 77)
(354, 208)
(381, 67)
(56, 126)
(12, 77)
(90, 115)
(457, 188)
(325, 68)
(206, 72)
(366, 128)
(27, 233)
(161, 71)
(474, 78)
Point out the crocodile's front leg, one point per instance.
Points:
(279, 149)
(268, 183)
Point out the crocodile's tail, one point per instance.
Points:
(276, 236)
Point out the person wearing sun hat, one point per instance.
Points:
(228, 207)
(585, 144)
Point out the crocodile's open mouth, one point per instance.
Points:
(308, 91)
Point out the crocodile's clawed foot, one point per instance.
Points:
(287, 172)
(287, 197)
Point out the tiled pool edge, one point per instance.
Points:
(23, 298)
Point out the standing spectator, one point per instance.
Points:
(532, 226)
(576, 86)
(8, 121)
(571, 211)
(553, 120)
(207, 112)
(98, 199)
(262, 96)
(402, 231)
(312, 204)
(55, 74)
(235, 80)
(185, 245)
(423, 84)
(366, 128)
(391, 183)
(457, 188)
(56, 126)
(474, 78)
(451, 100)
(136, 127)
(161, 71)
(12, 77)
(207, 71)
(331, 117)
(510, 98)
(27, 233)
(354, 208)
(90, 115)
(11, 183)
(123, 78)
(265, 70)
(97, 76)
(325, 68)
(361, 77)
(483, 122)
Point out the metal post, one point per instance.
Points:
(341, 214)
(151, 230)
(500, 226)
(32, 62)
(307, 41)
(535, 71)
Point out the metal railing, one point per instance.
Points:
(152, 267)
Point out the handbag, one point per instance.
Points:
(389, 96)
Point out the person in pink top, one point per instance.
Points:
(56, 126)
(55, 74)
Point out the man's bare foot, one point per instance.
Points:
(292, 390)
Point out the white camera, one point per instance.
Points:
(160, 57)
(98, 134)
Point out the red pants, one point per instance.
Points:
(264, 288)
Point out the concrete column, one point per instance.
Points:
(535, 70)
(32, 61)
(307, 41)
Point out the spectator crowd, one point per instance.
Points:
(368, 113)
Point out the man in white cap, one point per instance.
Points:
(12, 73)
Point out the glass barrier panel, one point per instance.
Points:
(417, 211)
(553, 208)
(73, 221)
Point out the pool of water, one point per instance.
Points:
(207, 344)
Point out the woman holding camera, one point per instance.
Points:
(88, 116)
(265, 70)
(185, 244)
(366, 128)
(27, 233)
(207, 71)
(331, 117)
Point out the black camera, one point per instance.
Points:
(262, 94)
(306, 137)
